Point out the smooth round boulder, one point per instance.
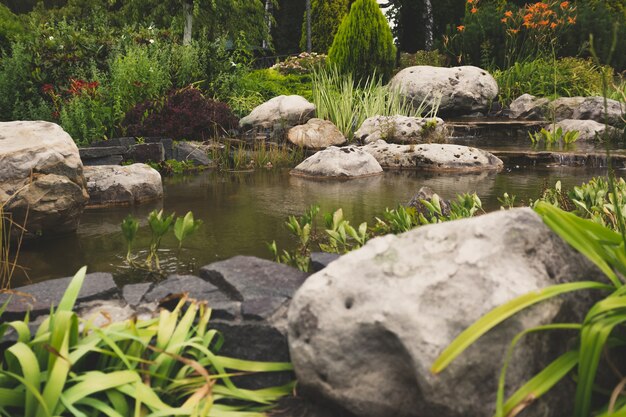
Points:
(401, 129)
(577, 108)
(339, 163)
(364, 332)
(316, 134)
(281, 110)
(463, 90)
(114, 185)
(41, 178)
(588, 130)
(433, 157)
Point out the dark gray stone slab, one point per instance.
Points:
(133, 293)
(198, 289)
(100, 152)
(320, 260)
(261, 308)
(39, 297)
(168, 145)
(109, 160)
(146, 152)
(125, 142)
(247, 278)
(185, 151)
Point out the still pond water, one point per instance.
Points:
(243, 211)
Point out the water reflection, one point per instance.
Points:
(244, 211)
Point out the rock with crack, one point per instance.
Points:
(338, 163)
(401, 129)
(41, 178)
(433, 157)
(365, 331)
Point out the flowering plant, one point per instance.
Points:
(301, 64)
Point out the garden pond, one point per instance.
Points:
(244, 211)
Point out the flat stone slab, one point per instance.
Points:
(338, 163)
(112, 185)
(433, 157)
(247, 277)
(38, 298)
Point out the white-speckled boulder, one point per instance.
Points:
(316, 134)
(41, 177)
(338, 163)
(401, 129)
(433, 157)
(365, 331)
(281, 110)
(463, 90)
(114, 185)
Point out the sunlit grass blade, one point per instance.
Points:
(501, 313)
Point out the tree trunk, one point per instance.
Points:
(309, 46)
(429, 25)
(188, 13)
(268, 22)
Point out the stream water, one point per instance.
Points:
(243, 211)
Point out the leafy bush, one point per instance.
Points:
(301, 64)
(182, 114)
(567, 77)
(16, 85)
(326, 16)
(166, 365)
(364, 43)
(10, 27)
(431, 58)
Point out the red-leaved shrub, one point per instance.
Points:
(182, 114)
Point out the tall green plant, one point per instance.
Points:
(164, 366)
(326, 16)
(364, 45)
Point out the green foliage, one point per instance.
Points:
(10, 27)
(304, 63)
(301, 228)
(553, 137)
(168, 365)
(343, 238)
(234, 155)
(326, 16)
(87, 118)
(15, 81)
(432, 58)
(364, 45)
(337, 98)
(184, 227)
(567, 77)
(130, 227)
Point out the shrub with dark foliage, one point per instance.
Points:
(182, 114)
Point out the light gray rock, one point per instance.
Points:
(588, 129)
(579, 108)
(41, 177)
(365, 331)
(339, 163)
(285, 110)
(111, 185)
(316, 134)
(401, 129)
(433, 157)
(192, 152)
(463, 90)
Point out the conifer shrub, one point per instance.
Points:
(364, 43)
(183, 114)
(326, 16)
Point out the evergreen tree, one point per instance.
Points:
(364, 43)
(326, 16)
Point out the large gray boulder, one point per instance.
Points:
(365, 331)
(114, 185)
(463, 90)
(433, 157)
(281, 110)
(316, 134)
(339, 163)
(401, 129)
(579, 108)
(41, 177)
(588, 130)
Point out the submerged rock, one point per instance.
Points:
(365, 331)
(112, 185)
(578, 108)
(285, 110)
(433, 157)
(339, 163)
(463, 90)
(401, 129)
(316, 134)
(41, 177)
